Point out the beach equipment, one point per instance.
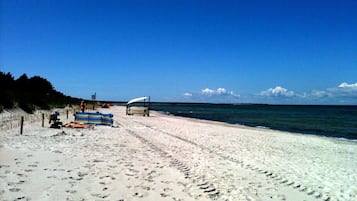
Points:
(95, 118)
(139, 105)
(106, 105)
(78, 125)
(56, 123)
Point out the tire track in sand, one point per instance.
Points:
(207, 187)
(274, 178)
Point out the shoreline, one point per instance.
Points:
(164, 157)
(263, 128)
(299, 132)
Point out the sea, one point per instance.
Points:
(322, 120)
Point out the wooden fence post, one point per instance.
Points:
(43, 119)
(67, 113)
(21, 124)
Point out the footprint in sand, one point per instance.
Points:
(20, 182)
(4, 166)
(88, 166)
(103, 177)
(71, 191)
(20, 175)
(14, 189)
(317, 195)
(12, 183)
(81, 174)
(138, 195)
(164, 195)
(302, 188)
(100, 195)
(284, 181)
(167, 189)
(98, 161)
(131, 172)
(310, 191)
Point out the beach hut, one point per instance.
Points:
(139, 106)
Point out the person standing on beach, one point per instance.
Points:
(83, 106)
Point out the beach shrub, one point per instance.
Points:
(30, 93)
(7, 86)
(27, 107)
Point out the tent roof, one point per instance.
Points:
(138, 100)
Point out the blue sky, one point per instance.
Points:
(278, 51)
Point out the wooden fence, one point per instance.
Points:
(9, 120)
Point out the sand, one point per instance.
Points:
(165, 157)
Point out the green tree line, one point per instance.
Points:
(30, 93)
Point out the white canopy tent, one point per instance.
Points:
(145, 98)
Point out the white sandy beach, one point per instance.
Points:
(165, 157)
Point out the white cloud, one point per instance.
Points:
(219, 95)
(319, 94)
(219, 91)
(277, 91)
(345, 85)
(344, 93)
(233, 94)
(344, 89)
(208, 91)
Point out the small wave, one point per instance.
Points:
(263, 127)
(346, 139)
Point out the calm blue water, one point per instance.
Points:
(331, 121)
